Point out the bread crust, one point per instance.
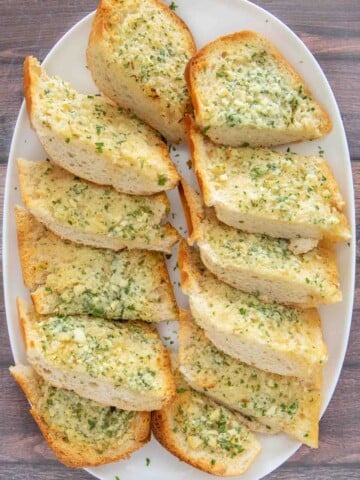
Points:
(193, 210)
(201, 58)
(80, 455)
(173, 129)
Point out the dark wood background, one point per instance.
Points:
(331, 29)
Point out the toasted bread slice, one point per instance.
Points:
(245, 92)
(259, 264)
(93, 139)
(123, 365)
(204, 434)
(81, 432)
(269, 336)
(94, 215)
(70, 279)
(283, 402)
(283, 195)
(137, 54)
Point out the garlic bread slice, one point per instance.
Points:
(204, 434)
(245, 92)
(94, 215)
(118, 364)
(81, 432)
(92, 138)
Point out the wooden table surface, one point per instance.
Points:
(331, 29)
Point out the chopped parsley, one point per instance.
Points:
(162, 179)
(99, 146)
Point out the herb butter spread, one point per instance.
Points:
(247, 86)
(79, 420)
(206, 426)
(125, 354)
(91, 208)
(123, 285)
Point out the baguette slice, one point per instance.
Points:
(82, 433)
(93, 139)
(70, 279)
(259, 264)
(123, 365)
(283, 195)
(137, 54)
(284, 403)
(269, 336)
(245, 92)
(204, 434)
(91, 214)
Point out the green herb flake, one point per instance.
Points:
(67, 140)
(99, 146)
(147, 462)
(162, 179)
(173, 6)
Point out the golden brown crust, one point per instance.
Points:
(43, 214)
(200, 59)
(167, 286)
(28, 232)
(35, 77)
(24, 312)
(165, 366)
(188, 274)
(193, 209)
(202, 151)
(30, 74)
(82, 455)
(193, 131)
